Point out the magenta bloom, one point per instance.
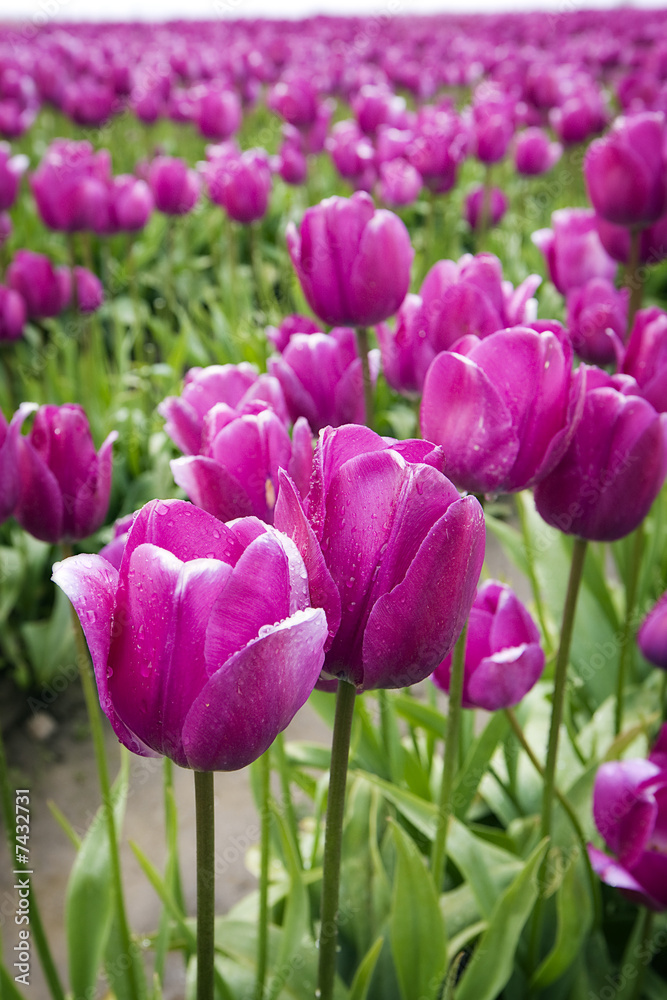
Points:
(174, 185)
(626, 171)
(45, 289)
(470, 297)
(352, 154)
(280, 336)
(295, 100)
(9, 467)
(572, 249)
(646, 356)
(64, 482)
(130, 203)
(617, 241)
(504, 413)
(393, 554)
(535, 153)
(240, 183)
(13, 314)
(353, 261)
(236, 473)
(321, 378)
(406, 352)
(474, 206)
(597, 317)
(204, 644)
(652, 636)
(71, 187)
(630, 812)
(291, 163)
(240, 387)
(89, 291)
(438, 147)
(218, 113)
(12, 169)
(503, 656)
(400, 182)
(614, 468)
(377, 105)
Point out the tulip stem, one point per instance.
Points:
(439, 852)
(485, 214)
(532, 575)
(633, 278)
(362, 351)
(647, 948)
(93, 709)
(333, 837)
(204, 815)
(627, 645)
(264, 847)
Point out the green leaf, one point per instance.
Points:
(575, 916)
(511, 541)
(420, 715)
(365, 970)
(417, 928)
(476, 762)
(479, 862)
(89, 901)
(493, 960)
(297, 911)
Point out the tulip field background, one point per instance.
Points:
(422, 114)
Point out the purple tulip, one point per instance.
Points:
(88, 101)
(626, 171)
(474, 207)
(291, 163)
(88, 290)
(131, 203)
(236, 474)
(239, 386)
(535, 153)
(393, 554)
(321, 378)
(280, 336)
(392, 143)
(503, 656)
(218, 113)
(581, 116)
(652, 635)
(400, 183)
(375, 106)
(174, 185)
(646, 356)
(45, 289)
(506, 412)
(9, 465)
(204, 644)
(471, 298)
(630, 812)
(438, 148)
(295, 100)
(407, 352)
(652, 241)
(12, 169)
(597, 318)
(572, 249)
(64, 483)
(13, 314)
(614, 468)
(239, 182)
(6, 228)
(352, 260)
(113, 551)
(493, 129)
(352, 154)
(71, 187)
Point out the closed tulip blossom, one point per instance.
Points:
(652, 635)
(352, 154)
(130, 204)
(626, 171)
(240, 387)
(71, 187)
(64, 483)
(474, 207)
(572, 249)
(406, 352)
(295, 100)
(240, 183)
(204, 644)
(174, 185)
(280, 336)
(9, 471)
(13, 314)
(89, 291)
(503, 656)
(630, 812)
(236, 473)
(400, 183)
(651, 246)
(438, 147)
(597, 317)
(504, 412)
(393, 554)
(646, 356)
(217, 113)
(45, 289)
(321, 377)
(352, 260)
(535, 153)
(614, 467)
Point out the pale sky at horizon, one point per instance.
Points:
(161, 10)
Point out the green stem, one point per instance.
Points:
(439, 853)
(627, 645)
(645, 921)
(333, 837)
(204, 816)
(567, 806)
(485, 214)
(93, 709)
(265, 845)
(257, 273)
(532, 574)
(232, 277)
(362, 351)
(634, 279)
(287, 803)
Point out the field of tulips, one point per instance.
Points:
(295, 317)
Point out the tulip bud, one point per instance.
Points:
(9, 466)
(174, 185)
(13, 314)
(45, 289)
(474, 206)
(89, 291)
(597, 318)
(400, 183)
(652, 635)
(534, 153)
(572, 249)
(646, 356)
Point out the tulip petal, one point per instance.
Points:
(617, 789)
(612, 873)
(92, 500)
(512, 625)
(183, 529)
(183, 424)
(412, 628)
(39, 508)
(380, 275)
(503, 679)
(211, 486)
(255, 695)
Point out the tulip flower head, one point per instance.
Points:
(204, 643)
(646, 356)
(652, 635)
(45, 289)
(573, 251)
